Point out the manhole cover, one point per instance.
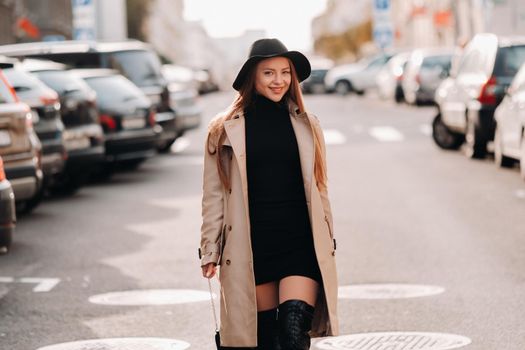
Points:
(387, 291)
(151, 297)
(394, 341)
(121, 344)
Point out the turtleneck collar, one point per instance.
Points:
(262, 102)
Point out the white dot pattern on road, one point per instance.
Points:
(394, 341)
(151, 297)
(387, 291)
(120, 344)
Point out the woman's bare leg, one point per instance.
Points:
(298, 288)
(267, 296)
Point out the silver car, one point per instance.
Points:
(424, 71)
(509, 139)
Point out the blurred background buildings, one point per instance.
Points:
(347, 30)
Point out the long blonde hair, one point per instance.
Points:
(217, 134)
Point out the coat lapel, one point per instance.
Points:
(305, 143)
(235, 132)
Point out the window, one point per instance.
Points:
(140, 66)
(114, 89)
(61, 81)
(509, 61)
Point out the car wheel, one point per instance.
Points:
(5, 243)
(522, 156)
(165, 146)
(27, 206)
(476, 144)
(343, 87)
(500, 159)
(443, 137)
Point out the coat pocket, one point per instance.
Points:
(330, 232)
(222, 242)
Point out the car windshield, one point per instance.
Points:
(509, 60)
(22, 81)
(61, 81)
(140, 66)
(114, 89)
(432, 62)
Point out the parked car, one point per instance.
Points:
(20, 148)
(7, 210)
(126, 114)
(205, 81)
(84, 137)
(424, 71)
(390, 78)
(356, 77)
(134, 59)
(467, 101)
(45, 109)
(509, 139)
(183, 99)
(315, 82)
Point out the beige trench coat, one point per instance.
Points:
(225, 235)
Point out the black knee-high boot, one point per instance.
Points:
(295, 321)
(267, 330)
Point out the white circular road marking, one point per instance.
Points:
(121, 343)
(387, 291)
(151, 297)
(520, 194)
(394, 341)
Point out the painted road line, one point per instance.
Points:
(394, 341)
(151, 297)
(180, 144)
(386, 134)
(388, 291)
(43, 284)
(520, 194)
(333, 137)
(121, 343)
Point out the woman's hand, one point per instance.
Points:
(209, 270)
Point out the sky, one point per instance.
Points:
(287, 20)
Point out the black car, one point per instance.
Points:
(126, 114)
(45, 108)
(134, 59)
(477, 84)
(83, 135)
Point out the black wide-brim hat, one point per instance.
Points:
(268, 48)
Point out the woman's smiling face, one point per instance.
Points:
(273, 77)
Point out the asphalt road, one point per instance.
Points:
(405, 213)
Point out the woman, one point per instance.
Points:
(266, 216)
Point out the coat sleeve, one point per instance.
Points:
(324, 191)
(212, 210)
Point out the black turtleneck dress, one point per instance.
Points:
(281, 233)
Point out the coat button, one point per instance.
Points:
(229, 227)
(333, 253)
(228, 262)
(230, 191)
